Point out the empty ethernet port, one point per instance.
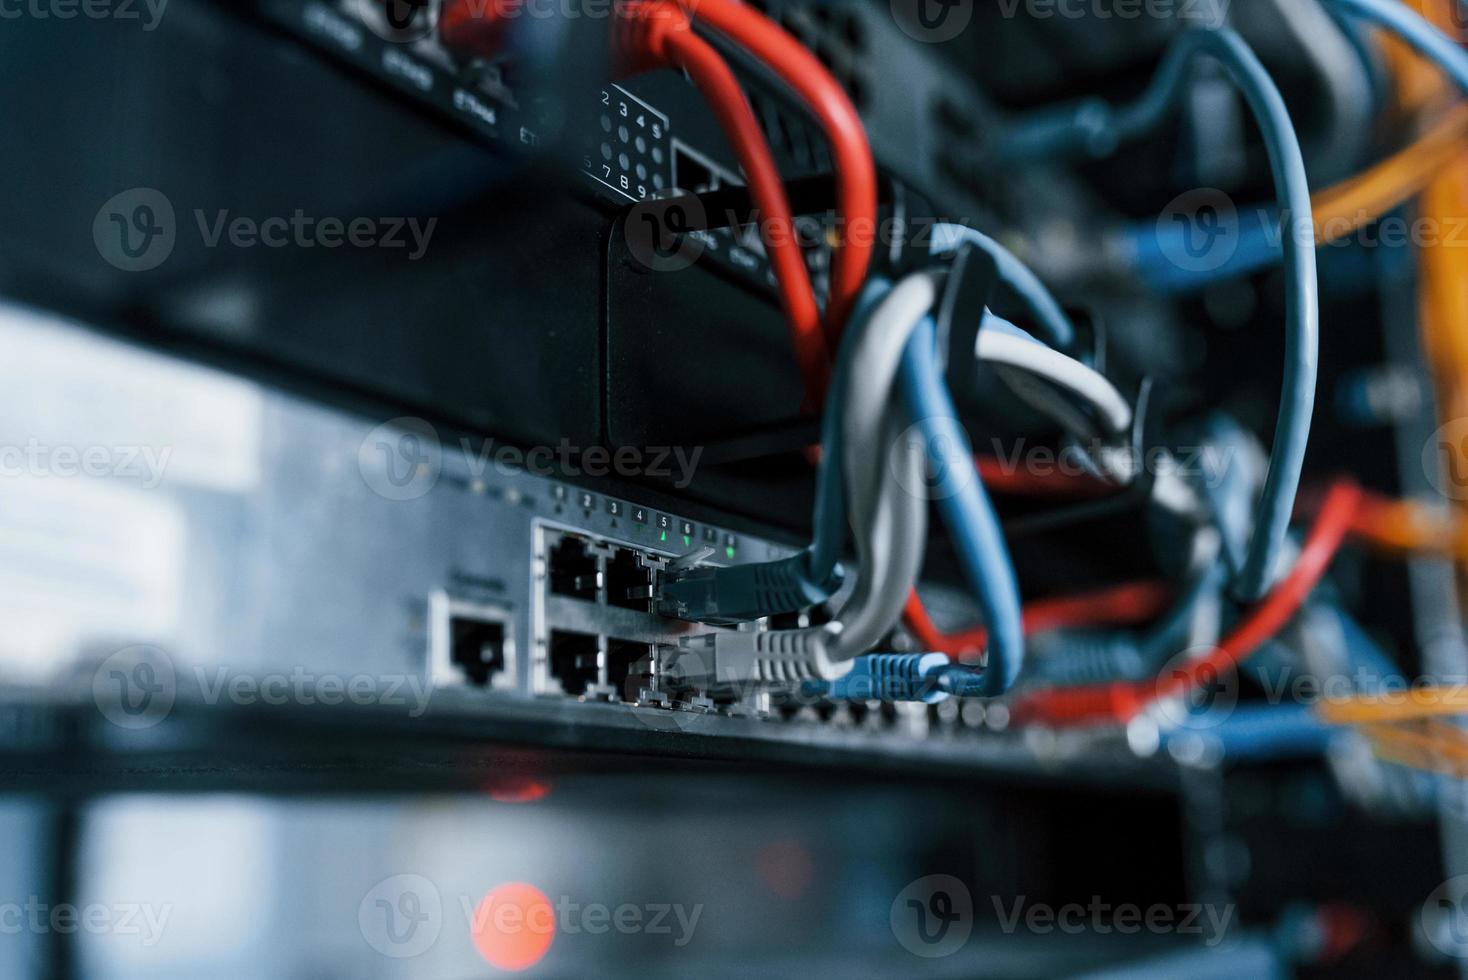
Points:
(477, 648)
(573, 660)
(572, 568)
(629, 581)
(691, 174)
(629, 668)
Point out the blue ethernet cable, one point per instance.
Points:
(888, 677)
(1256, 732)
(1302, 316)
(744, 592)
(1302, 327)
(738, 593)
(1255, 248)
(965, 508)
(1148, 248)
(1094, 127)
(1273, 731)
(1415, 29)
(1014, 274)
(1354, 31)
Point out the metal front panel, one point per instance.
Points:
(153, 501)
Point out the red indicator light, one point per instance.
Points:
(513, 926)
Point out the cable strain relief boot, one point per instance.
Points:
(740, 593)
(892, 677)
(743, 659)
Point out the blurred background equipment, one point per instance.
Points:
(723, 488)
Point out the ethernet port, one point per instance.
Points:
(629, 668)
(572, 568)
(477, 648)
(629, 581)
(692, 174)
(573, 660)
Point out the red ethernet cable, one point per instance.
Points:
(1118, 703)
(856, 173)
(1115, 605)
(657, 34)
(1131, 602)
(797, 67)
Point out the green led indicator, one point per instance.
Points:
(663, 536)
(687, 541)
(729, 551)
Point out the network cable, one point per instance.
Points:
(657, 34)
(739, 593)
(855, 177)
(750, 591)
(1124, 604)
(1339, 211)
(1416, 30)
(884, 497)
(855, 171)
(889, 519)
(966, 510)
(1002, 343)
(1093, 127)
(1118, 703)
(1302, 315)
(1046, 310)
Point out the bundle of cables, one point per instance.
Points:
(888, 514)
(1095, 128)
(890, 423)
